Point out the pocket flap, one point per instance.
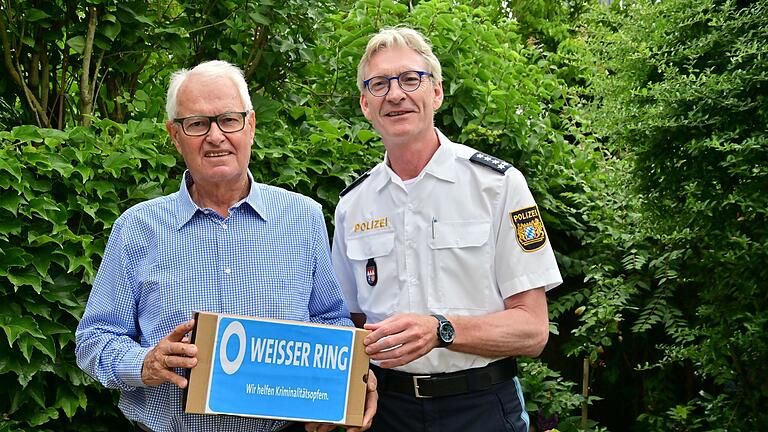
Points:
(370, 246)
(459, 234)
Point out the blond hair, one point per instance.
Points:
(399, 37)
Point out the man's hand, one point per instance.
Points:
(173, 351)
(371, 404)
(401, 339)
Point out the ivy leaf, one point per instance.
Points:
(69, 401)
(46, 345)
(41, 417)
(61, 165)
(36, 391)
(42, 262)
(38, 308)
(101, 187)
(25, 345)
(17, 325)
(10, 226)
(25, 277)
(11, 166)
(62, 291)
(116, 162)
(27, 133)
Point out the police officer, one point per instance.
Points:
(442, 254)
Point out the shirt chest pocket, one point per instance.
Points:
(370, 246)
(461, 266)
(374, 264)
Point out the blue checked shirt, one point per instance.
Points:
(167, 258)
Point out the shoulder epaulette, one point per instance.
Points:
(355, 183)
(491, 162)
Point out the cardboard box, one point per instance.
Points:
(286, 370)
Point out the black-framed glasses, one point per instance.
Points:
(409, 81)
(200, 125)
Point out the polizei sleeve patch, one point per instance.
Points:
(491, 162)
(355, 183)
(529, 228)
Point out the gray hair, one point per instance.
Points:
(399, 37)
(209, 69)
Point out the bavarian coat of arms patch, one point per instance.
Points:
(529, 228)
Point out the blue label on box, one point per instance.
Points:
(273, 369)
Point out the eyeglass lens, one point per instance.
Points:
(200, 125)
(409, 81)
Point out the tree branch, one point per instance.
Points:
(86, 94)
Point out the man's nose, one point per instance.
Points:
(395, 92)
(215, 135)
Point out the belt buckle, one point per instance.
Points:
(416, 386)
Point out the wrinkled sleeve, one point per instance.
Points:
(106, 338)
(326, 304)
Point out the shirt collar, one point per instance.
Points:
(187, 208)
(441, 165)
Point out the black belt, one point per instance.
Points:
(446, 384)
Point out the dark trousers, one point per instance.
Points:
(499, 408)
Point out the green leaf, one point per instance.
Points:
(36, 15)
(36, 307)
(17, 325)
(62, 291)
(259, 18)
(46, 345)
(69, 401)
(61, 165)
(117, 161)
(77, 43)
(328, 128)
(458, 116)
(12, 166)
(110, 29)
(43, 416)
(10, 226)
(25, 277)
(27, 133)
(364, 135)
(36, 391)
(42, 262)
(101, 187)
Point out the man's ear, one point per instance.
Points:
(251, 121)
(364, 106)
(173, 133)
(437, 100)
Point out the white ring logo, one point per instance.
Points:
(235, 328)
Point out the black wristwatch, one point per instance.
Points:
(445, 331)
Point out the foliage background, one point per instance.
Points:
(640, 128)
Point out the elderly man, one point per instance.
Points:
(222, 243)
(442, 253)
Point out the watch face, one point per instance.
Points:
(446, 332)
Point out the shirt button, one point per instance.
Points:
(224, 226)
(227, 270)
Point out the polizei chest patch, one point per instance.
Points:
(529, 228)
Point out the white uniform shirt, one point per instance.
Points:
(448, 244)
